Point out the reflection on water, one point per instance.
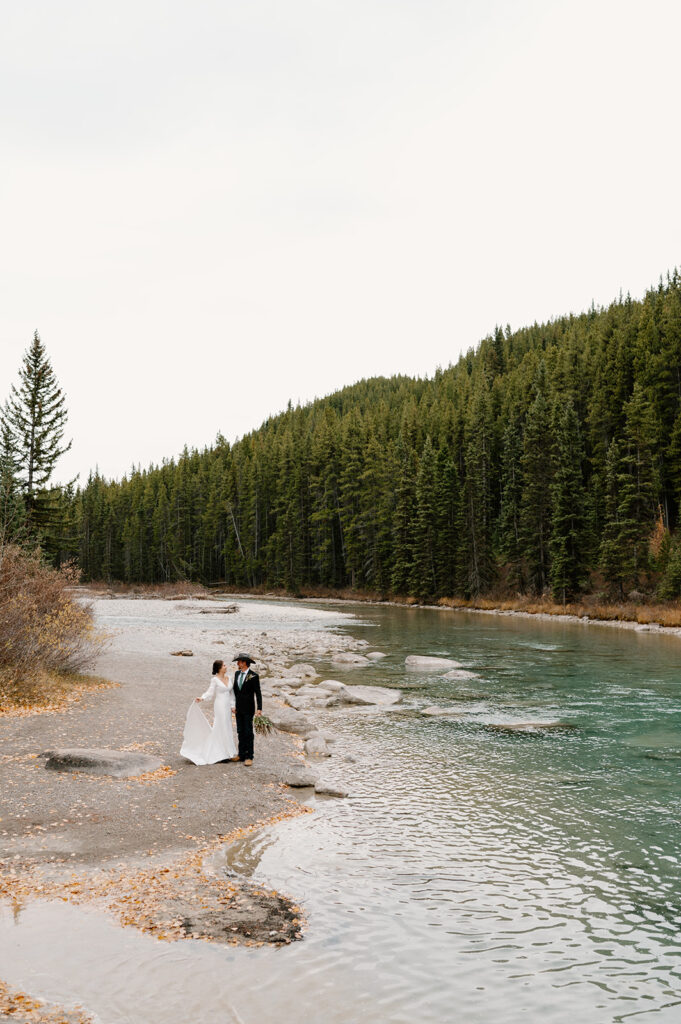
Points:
(474, 875)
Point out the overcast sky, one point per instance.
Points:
(208, 208)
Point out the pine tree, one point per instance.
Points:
(511, 497)
(376, 509)
(611, 557)
(478, 496)
(670, 585)
(352, 454)
(34, 417)
(12, 508)
(403, 518)
(423, 578)
(404, 488)
(632, 491)
(568, 543)
(448, 506)
(535, 523)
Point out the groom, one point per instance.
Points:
(246, 695)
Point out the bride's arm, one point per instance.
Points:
(210, 692)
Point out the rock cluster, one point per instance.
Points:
(417, 662)
(302, 692)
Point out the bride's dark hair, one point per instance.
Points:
(217, 665)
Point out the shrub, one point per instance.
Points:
(43, 628)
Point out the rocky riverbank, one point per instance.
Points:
(135, 839)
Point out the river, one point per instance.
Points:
(474, 874)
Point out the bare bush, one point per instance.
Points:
(43, 628)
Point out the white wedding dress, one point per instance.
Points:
(202, 743)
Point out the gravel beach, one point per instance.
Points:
(138, 846)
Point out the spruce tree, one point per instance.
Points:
(423, 577)
(478, 495)
(631, 489)
(611, 556)
(511, 496)
(535, 523)
(12, 509)
(448, 505)
(34, 417)
(568, 544)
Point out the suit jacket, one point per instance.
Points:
(246, 698)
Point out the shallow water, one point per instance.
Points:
(474, 874)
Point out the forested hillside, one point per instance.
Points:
(547, 459)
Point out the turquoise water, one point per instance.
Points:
(479, 874)
(475, 874)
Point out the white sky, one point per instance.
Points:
(210, 207)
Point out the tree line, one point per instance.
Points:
(547, 460)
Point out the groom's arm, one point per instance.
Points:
(258, 694)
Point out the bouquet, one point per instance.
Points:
(263, 725)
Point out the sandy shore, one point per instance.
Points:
(138, 847)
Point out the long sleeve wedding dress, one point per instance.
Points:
(202, 743)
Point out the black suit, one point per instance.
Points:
(246, 698)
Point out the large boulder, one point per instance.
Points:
(330, 789)
(419, 663)
(288, 720)
(332, 685)
(309, 691)
(380, 696)
(290, 683)
(301, 671)
(296, 703)
(376, 655)
(349, 660)
(315, 746)
(120, 764)
(299, 776)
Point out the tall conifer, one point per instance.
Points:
(34, 417)
(535, 524)
(568, 544)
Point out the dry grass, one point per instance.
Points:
(165, 591)
(46, 693)
(663, 614)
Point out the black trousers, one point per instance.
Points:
(244, 731)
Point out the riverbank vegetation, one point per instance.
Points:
(47, 636)
(545, 464)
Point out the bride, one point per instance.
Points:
(201, 743)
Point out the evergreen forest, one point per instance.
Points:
(545, 461)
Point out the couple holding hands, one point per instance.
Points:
(239, 696)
